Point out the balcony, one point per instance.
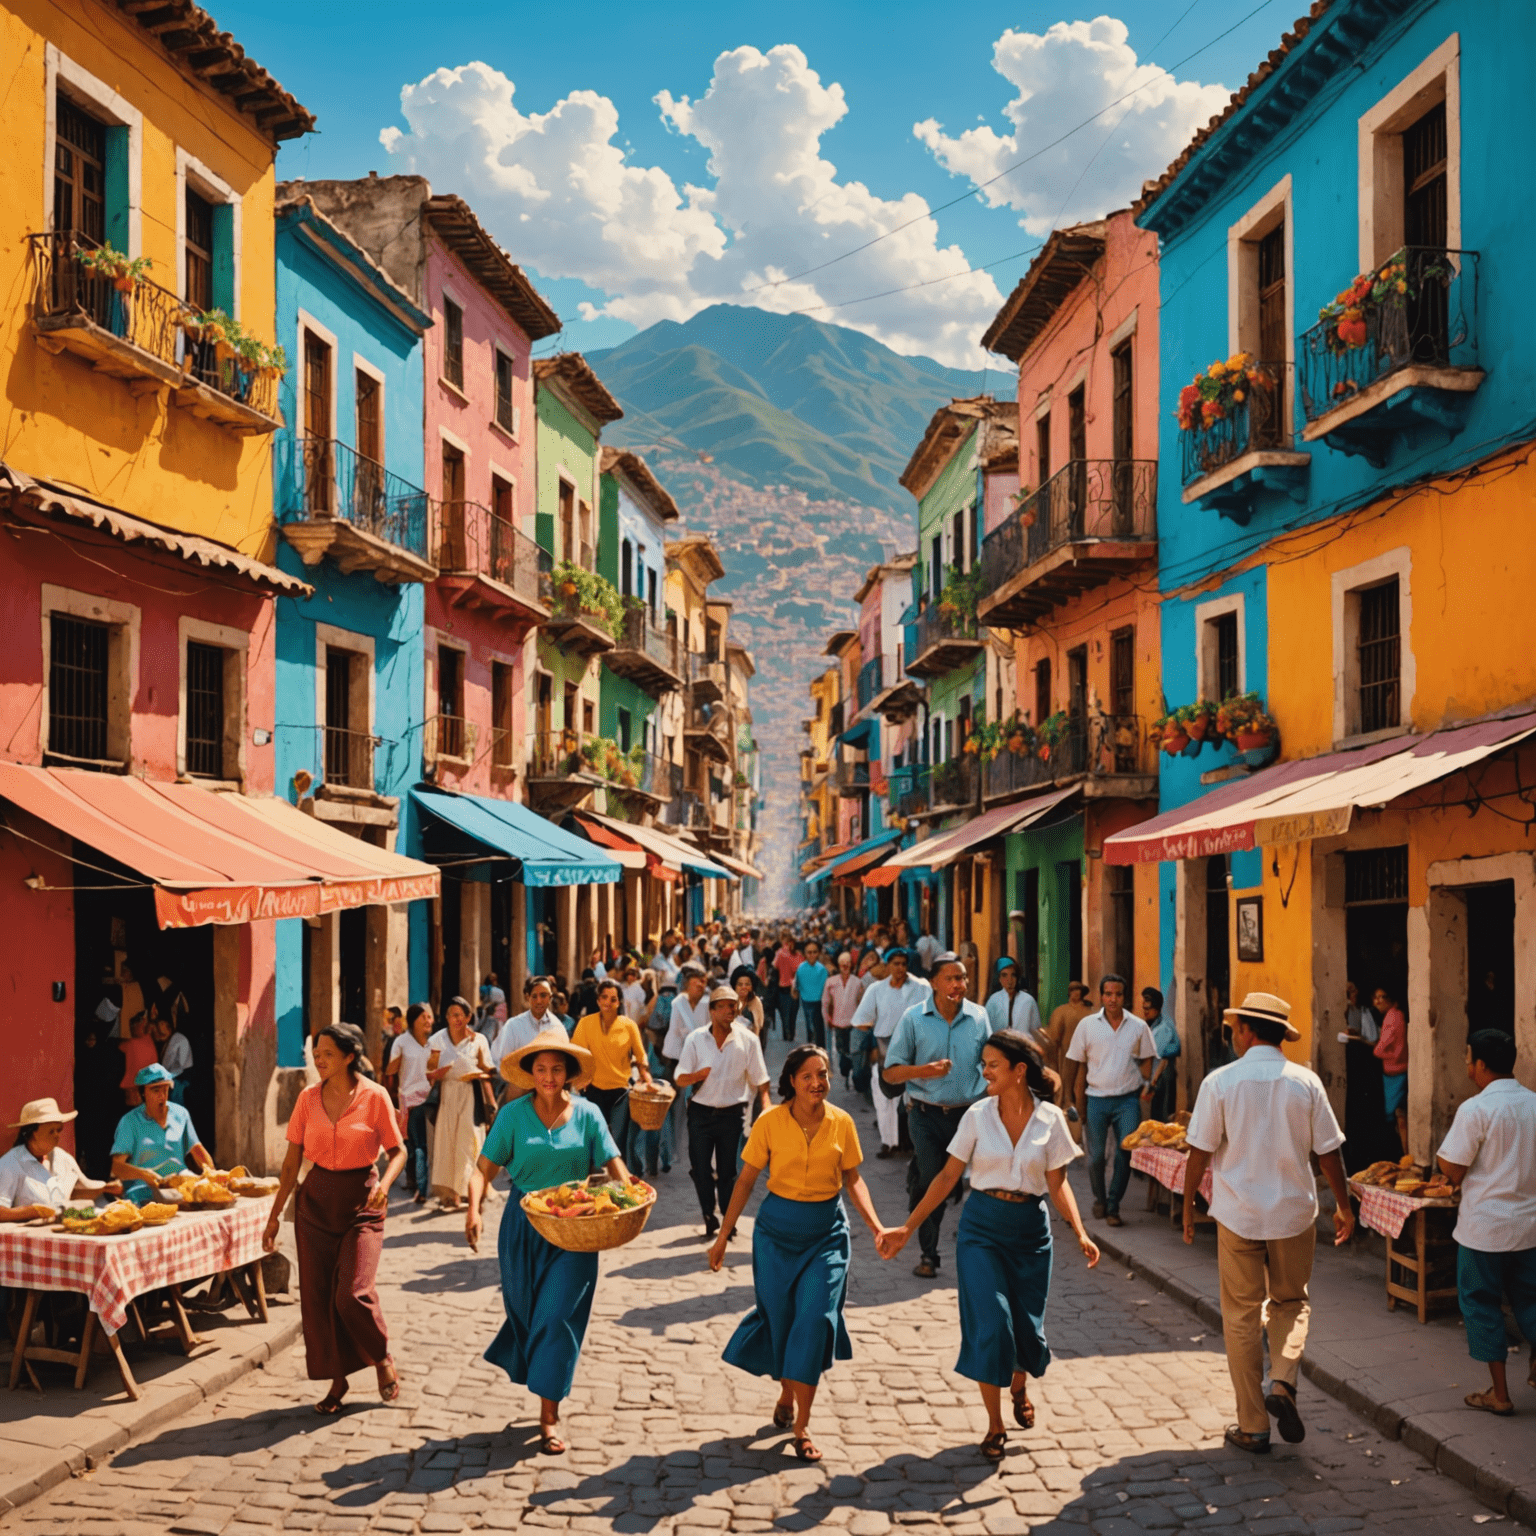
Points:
(449, 737)
(1401, 357)
(708, 732)
(1226, 464)
(348, 758)
(851, 778)
(578, 625)
(143, 333)
(487, 563)
(706, 678)
(908, 788)
(1010, 773)
(686, 811)
(871, 678)
(953, 783)
(648, 656)
(1093, 520)
(335, 502)
(945, 639)
(1109, 754)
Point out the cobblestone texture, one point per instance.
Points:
(666, 1438)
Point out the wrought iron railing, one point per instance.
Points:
(1103, 744)
(936, 624)
(1257, 422)
(470, 538)
(348, 758)
(145, 315)
(560, 754)
(319, 477)
(1427, 315)
(449, 736)
(851, 776)
(1012, 771)
(954, 782)
(909, 789)
(869, 680)
(503, 750)
(685, 809)
(1086, 501)
(638, 633)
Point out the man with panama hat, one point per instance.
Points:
(155, 1139)
(1257, 1123)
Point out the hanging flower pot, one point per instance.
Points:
(124, 282)
(1252, 741)
(1029, 518)
(1197, 726)
(1175, 739)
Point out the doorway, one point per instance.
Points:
(1069, 891)
(352, 946)
(1491, 956)
(1376, 954)
(450, 928)
(1218, 959)
(1030, 904)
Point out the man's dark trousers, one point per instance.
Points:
(788, 1003)
(815, 1027)
(713, 1138)
(933, 1127)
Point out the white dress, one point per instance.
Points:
(457, 1139)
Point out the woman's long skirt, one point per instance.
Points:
(456, 1140)
(1003, 1265)
(340, 1240)
(547, 1294)
(800, 1253)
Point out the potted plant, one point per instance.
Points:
(1197, 719)
(1346, 318)
(123, 272)
(1170, 733)
(1049, 735)
(1220, 391)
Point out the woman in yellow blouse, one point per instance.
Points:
(616, 1046)
(800, 1240)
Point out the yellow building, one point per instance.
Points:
(157, 141)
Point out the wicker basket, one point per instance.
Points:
(648, 1107)
(591, 1234)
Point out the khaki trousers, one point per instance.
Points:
(1255, 1272)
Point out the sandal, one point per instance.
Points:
(550, 1444)
(992, 1447)
(389, 1390)
(1489, 1404)
(1023, 1409)
(328, 1406)
(805, 1448)
(783, 1415)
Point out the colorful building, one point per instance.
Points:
(1335, 530)
(1068, 583)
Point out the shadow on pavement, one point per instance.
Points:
(733, 1300)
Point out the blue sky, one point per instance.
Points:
(594, 199)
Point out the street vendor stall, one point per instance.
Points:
(1393, 1196)
(1158, 1150)
(112, 1271)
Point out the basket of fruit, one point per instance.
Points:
(589, 1216)
(648, 1106)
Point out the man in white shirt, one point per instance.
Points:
(690, 1010)
(723, 1064)
(746, 949)
(874, 1022)
(927, 947)
(175, 1057)
(522, 1028)
(1115, 1052)
(1489, 1153)
(1257, 1123)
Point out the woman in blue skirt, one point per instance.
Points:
(1017, 1146)
(800, 1240)
(547, 1137)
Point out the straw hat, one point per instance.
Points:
(723, 995)
(42, 1112)
(516, 1073)
(1266, 1006)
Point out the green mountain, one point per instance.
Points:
(782, 400)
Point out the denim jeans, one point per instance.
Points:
(932, 1127)
(787, 1006)
(840, 1038)
(815, 1028)
(1116, 1116)
(859, 1049)
(417, 1145)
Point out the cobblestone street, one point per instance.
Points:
(667, 1438)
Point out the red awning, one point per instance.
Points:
(946, 847)
(850, 869)
(887, 874)
(1311, 797)
(631, 854)
(214, 857)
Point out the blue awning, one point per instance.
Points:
(461, 826)
(880, 840)
(859, 735)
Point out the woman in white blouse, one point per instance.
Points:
(461, 1062)
(37, 1177)
(1017, 1146)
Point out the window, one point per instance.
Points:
(1375, 875)
(79, 172)
(936, 566)
(1379, 648)
(450, 702)
(319, 469)
(348, 742)
(626, 568)
(626, 729)
(587, 554)
(501, 715)
(588, 717)
(453, 554)
(205, 711)
(505, 419)
(651, 595)
(567, 520)
(1219, 647)
(1077, 682)
(1272, 325)
(78, 687)
(1122, 435)
(1043, 447)
(453, 343)
(1042, 690)
(1077, 451)
(370, 425)
(1120, 921)
(368, 481)
(1122, 671)
(1224, 643)
(1425, 210)
(199, 292)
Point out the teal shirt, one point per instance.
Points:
(536, 1157)
(164, 1149)
(811, 981)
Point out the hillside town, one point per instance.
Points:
(500, 1038)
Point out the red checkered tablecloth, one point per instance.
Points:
(111, 1271)
(1386, 1211)
(1167, 1167)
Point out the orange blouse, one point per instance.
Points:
(366, 1125)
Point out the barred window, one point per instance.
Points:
(205, 711)
(78, 660)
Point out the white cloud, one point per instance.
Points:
(1062, 77)
(562, 197)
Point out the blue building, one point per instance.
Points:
(350, 691)
(1343, 507)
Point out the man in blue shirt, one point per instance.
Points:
(1163, 1089)
(809, 983)
(936, 1053)
(155, 1140)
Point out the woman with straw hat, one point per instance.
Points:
(545, 1137)
(37, 1177)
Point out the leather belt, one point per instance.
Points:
(1008, 1194)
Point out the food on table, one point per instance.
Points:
(1158, 1133)
(596, 1196)
(156, 1213)
(252, 1187)
(78, 1216)
(208, 1192)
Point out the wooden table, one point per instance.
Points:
(1429, 1247)
(1166, 1168)
(114, 1273)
